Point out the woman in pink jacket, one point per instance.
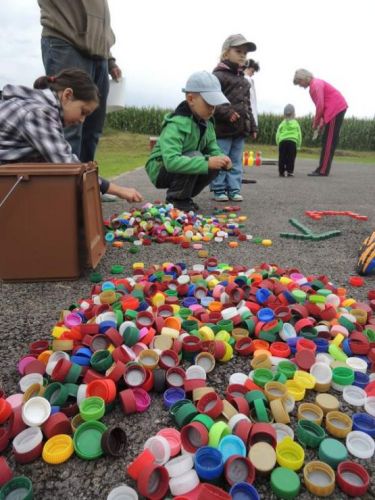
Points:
(329, 116)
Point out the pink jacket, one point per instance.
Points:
(328, 101)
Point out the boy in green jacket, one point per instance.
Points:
(289, 139)
(186, 157)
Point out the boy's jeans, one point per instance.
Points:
(57, 55)
(229, 182)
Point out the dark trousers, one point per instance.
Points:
(330, 140)
(183, 186)
(57, 55)
(287, 156)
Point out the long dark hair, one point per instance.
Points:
(84, 88)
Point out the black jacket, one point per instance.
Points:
(237, 90)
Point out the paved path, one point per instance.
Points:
(28, 311)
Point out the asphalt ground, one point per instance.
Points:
(29, 310)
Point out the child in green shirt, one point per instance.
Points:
(289, 139)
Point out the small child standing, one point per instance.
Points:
(289, 139)
(234, 121)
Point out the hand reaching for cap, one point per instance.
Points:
(219, 163)
(131, 195)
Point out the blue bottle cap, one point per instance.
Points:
(244, 491)
(172, 395)
(364, 422)
(262, 295)
(266, 314)
(361, 379)
(209, 463)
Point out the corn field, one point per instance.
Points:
(356, 134)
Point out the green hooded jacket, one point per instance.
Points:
(289, 130)
(181, 134)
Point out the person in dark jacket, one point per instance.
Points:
(234, 121)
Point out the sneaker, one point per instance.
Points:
(108, 197)
(220, 197)
(290, 174)
(235, 197)
(186, 205)
(315, 173)
(283, 174)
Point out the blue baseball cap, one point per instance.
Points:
(208, 86)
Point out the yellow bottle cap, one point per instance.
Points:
(290, 454)
(305, 379)
(58, 449)
(228, 353)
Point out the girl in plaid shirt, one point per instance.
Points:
(33, 121)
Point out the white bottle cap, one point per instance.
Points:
(282, 431)
(122, 492)
(179, 465)
(184, 483)
(160, 448)
(370, 405)
(32, 378)
(27, 440)
(36, 411)
(360, 444)
(354, 395)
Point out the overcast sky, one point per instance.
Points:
(160, 43)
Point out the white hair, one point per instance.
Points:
(302, 74)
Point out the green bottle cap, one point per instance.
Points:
(285, 483)
(332, 452)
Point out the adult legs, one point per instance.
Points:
(330, 140)
(58, 55)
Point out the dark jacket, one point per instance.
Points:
(237, 90)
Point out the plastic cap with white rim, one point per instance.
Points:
(357, 364)
(321, 328)
(179, 465)
(183, 279)
(238, 378)
(282, 431)
(27, 440)
(122, 492)
(322, 372)
(106, 316)
(233, 421)
(229, 313)
(287, 332)
(27, 380)
(337, 387)
(195, 372)
(184, 483)
(370, 405)
(275, 360)
(198, 268)
(160, 448)
(36, 411)
(81, 393)
(289, 403)
(354, 395)
(333, 299)
(324, 357)
(54, 358)
(124, 326)
(360, 444)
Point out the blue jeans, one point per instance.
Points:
(229, 182)
(57, 55)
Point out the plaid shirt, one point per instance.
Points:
(32, 128)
